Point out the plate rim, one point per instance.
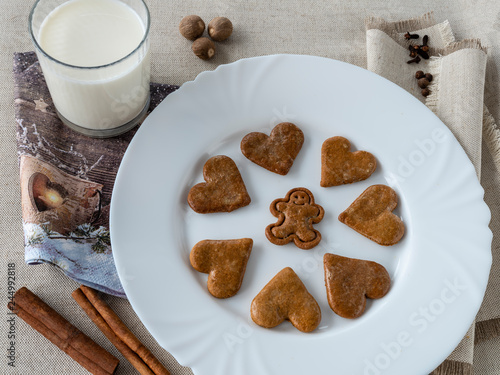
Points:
(113, 213)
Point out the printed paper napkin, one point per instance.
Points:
(66, 183)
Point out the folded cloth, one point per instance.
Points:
(457, 97)
(66, 183)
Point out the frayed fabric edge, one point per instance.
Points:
(432, 99)
(491, 136)
(397, 29)
(421, 22)
(463, 44)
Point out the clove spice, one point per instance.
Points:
(418, 52)
(414, 60)
(409, 36)
(421, 50)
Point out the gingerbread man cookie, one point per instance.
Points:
(296, 215)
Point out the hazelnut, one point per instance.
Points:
(204, 48)
(426, 92)
(191, 27)
(220, 28)
(423, 83)
(428, 76)
(419, 74)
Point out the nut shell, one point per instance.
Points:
(220, 28)
(191, 27)
(204, 48)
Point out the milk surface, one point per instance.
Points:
(89, 34)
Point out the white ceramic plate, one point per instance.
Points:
(439, 269)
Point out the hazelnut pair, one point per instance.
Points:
(192, 27)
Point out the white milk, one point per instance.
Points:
(90, 34)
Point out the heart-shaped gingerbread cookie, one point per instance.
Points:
(224, 189)
(277, 151)
(341, 166)
(286, 297)
(350, 281)
(371, 215)
(225, 261)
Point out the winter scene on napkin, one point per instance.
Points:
(66, 183)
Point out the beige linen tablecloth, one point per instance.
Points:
(330, 28)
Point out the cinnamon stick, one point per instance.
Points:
(122, 331)
(98, 320)
(61, 333)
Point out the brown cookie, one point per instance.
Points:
(341, 166)
(296, 215)
(224, 189)
(277, 151)
(371, 215)
(286, 297)
(350, 281)
(225, 262)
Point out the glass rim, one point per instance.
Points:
(38, 47)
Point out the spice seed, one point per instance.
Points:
(423, 83)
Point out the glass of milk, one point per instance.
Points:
(94, 55)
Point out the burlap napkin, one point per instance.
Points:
(456, 96)
(66, 183)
